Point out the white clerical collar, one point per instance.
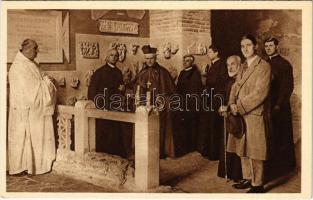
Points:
(273, 55)
(216, 59)
(188, 68)
(251, 60)
(111, 65)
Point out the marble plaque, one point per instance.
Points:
(111, 26)
(42, 26)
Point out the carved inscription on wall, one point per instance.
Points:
(111, 26)
(42, 26)
(89, 50)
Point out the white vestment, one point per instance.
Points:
(31, 143)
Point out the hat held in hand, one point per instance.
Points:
(235, 125)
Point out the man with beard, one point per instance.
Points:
(158, 81)
(189, 88)
(232, 167)
(282, 150)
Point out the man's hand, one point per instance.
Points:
(223, 111)
(121, 88)
(276, 110)
(234, 109)
(50, 78)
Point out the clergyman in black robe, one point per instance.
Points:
(157, 80)
(211, 123)
(106, 82)
(281, 151)
(189, 87)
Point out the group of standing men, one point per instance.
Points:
(260, 96)
(256, 90)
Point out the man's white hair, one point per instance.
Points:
(237, 58)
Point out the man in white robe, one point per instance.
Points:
(31, 143)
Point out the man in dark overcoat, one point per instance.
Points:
(282, 152)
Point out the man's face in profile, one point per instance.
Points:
(212, 55)
(31, 51)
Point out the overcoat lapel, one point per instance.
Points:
(247, 74)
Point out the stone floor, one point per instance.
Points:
(189, 174)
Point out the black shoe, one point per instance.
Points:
(244, 184)
(237, 181)
(256, 189)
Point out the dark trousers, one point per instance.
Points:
(114, 137)
(211, 134)
(186, 132)
(233, 164)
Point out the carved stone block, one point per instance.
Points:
(62, 82)
(134, 48)
(89, 50)
(64, 131)
(197, 48)
(88, 76)
(169, 49)
(75, 82)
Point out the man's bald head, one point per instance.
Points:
(29, 49)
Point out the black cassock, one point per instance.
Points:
(211, 123)
(161, 82)
(111, 136)
(281, 149)
(186, 120)
(233, 161)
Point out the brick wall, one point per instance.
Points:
(196, 21)
(163, 22)
(181, 27)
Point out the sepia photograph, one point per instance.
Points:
(177, 98)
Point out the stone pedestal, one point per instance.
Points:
(85, 133)
(147, 146)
